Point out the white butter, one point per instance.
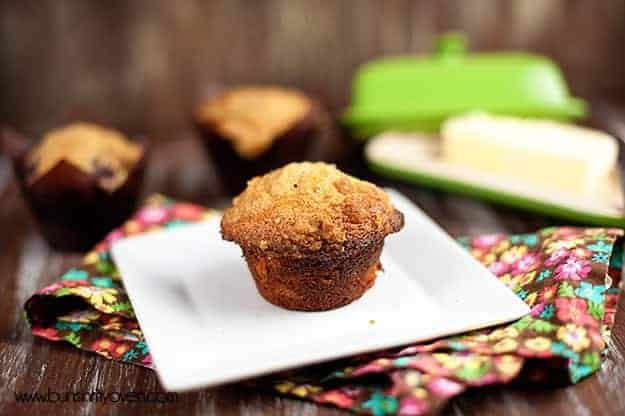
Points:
(544, 153)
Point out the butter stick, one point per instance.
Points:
(547, 154)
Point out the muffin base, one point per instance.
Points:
(316, 282)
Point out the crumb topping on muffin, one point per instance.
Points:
(307, 206)
(253, 117)
(100, 151)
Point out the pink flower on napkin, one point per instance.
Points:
(537, 310)
(526, 263)
(557, 256)
(486, 241)
(51, 288)
(444, 387)
(499, 268)
(152, 215)
(573, 269)
(412, 406)
(147, 360)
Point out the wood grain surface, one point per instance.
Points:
(179, 168)
(141, 64)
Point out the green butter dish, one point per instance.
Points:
(415, 158)
(418, 93)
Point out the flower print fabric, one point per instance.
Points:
(573, 295)
(90, 307)
(568, 276)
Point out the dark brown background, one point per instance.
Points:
(140, 65)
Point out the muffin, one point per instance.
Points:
(81, 181)
(311, 235)
(249, 131)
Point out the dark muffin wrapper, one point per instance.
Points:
(300, 142)
(72, 210)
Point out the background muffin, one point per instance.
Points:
(311, 235)
(251, 130)
(81, 181)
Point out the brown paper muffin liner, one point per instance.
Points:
(72, 210)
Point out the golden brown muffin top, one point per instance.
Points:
(307, 206)
(253, 117)
(89, 147)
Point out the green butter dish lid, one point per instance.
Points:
(418, 94)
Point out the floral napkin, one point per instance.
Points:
(570, 278)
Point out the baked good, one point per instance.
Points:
(250, 130)
(105, 153)
(311, 235)
(81, 181)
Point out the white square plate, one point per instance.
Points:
(206, 324)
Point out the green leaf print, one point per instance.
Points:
(591, 359)
(73, 338)
(596, 310)
(566, 290)
(471, 372)
(542, 326)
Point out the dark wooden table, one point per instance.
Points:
(179, 168)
